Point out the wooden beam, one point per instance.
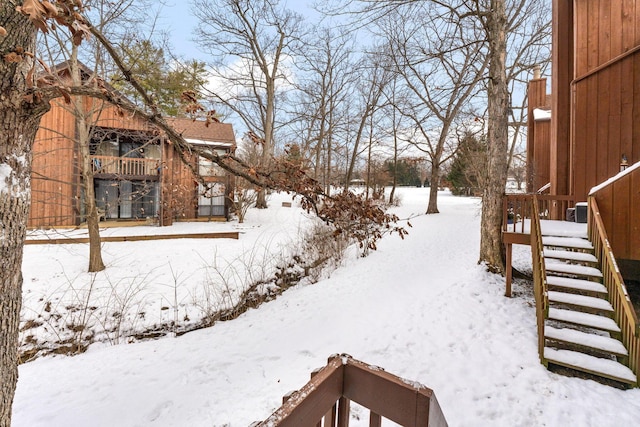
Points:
(562, 75)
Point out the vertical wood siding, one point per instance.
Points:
(56, 191)
(619, 205)
(539, 133)
(606, 94)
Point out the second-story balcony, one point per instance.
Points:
(125, 166)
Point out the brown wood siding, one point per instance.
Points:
(562, 72)
(606, 102)
(538, 136)
(54, 189)
(542, 167)
(183, 187)
(619, 205)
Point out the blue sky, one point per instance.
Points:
(176, 18)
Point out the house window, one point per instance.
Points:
(211, 199)
(127, 199)
(207, 168)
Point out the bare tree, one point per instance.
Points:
(441, 64)
(250, 42)
(495, 20)
(374, 76)
(327, 82)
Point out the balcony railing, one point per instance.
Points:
(331, 389)
(517, 210)
(125, 166)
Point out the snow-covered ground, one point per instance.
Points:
(421, 308)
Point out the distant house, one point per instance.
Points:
(137, 174)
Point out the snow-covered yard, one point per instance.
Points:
(421, 308)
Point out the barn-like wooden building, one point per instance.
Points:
(137, 175)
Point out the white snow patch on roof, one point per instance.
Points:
(539, 114)
(212, 143)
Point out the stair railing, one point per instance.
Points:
(539, 274)
(625, 315)
(328, 395)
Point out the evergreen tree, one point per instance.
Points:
(167, 81)
(468, 171)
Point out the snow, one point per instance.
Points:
(420, 308)
(581, 300)
(586, 319)
(5, 174)
(562, 267)
(567, 242)
(594, 364)
(570, 255)
(568, 282)
(585, 339)
(540, 114)
(614, 178)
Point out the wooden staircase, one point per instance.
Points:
(578, 331)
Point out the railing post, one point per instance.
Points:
(344, 410)
(375, 420)
(509, 278)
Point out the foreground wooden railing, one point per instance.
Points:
(539, 275)
(625, 315)
(125, 166)
(331, 389)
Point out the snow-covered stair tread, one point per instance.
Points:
(585, 339)
(563, 228)
(580, 300)
(570, 255)
(604, 367)
(577, 284)
(561, 267)
(583, 319)
(566, 242)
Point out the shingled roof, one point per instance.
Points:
(197, 131)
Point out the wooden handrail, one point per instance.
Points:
(539, 275)
(625, 315)
(125, 166)
(519, 207)
(331, 389)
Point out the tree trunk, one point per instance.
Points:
(432, 208)
(491, 250)
(20, 121)
(83, 124)
(93, 220)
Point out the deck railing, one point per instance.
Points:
(539, 274)
(125, 166)
(518, 207)
(331, 389)
(625, 315)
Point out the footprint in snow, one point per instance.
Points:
(160, 410)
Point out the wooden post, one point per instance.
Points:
(509, 269)
(375, 420)
(344, 409)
